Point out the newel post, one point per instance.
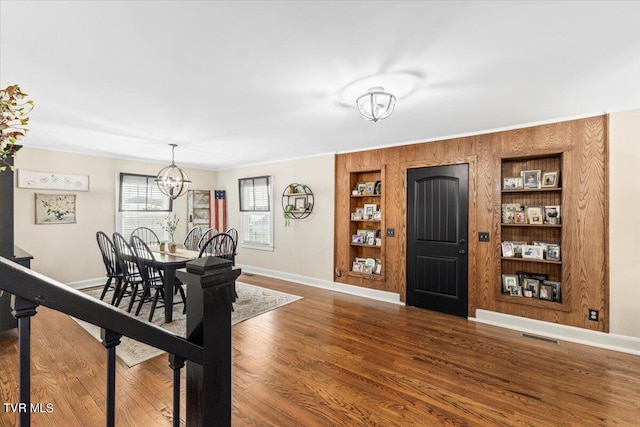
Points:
(210, 284)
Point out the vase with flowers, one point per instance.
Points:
(15, 109)
(169, 225)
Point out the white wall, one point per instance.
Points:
(69, 252)
(305, 247)
(624, 223)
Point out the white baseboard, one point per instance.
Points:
(89, 283)
(324, 284)
(614, 342)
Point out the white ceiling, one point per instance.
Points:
(236, 83)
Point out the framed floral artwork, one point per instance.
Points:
(55, 208)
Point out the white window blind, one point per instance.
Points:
(255, 211)
(141, 204)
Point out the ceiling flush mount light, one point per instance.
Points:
(173, 181)
(376, 104)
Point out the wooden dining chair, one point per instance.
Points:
(193, 237)
(234, 234)
(222, 246)
(153, 278)
(206, 235)
(132, 282)
(110, 261)
(147, 235)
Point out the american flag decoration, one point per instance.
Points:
(220, 210)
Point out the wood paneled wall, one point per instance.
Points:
(585, 274)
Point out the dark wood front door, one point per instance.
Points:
(437, 236)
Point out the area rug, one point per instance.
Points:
(252, 301)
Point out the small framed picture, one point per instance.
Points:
(357, 239)
(557, 289)
(377, 215)
(532, 285)
(509, 281)
(378, 267)
(550, 179)
(531, 178)
(553, 252)
(552, 214)
(370, 238)
(369, 188)
(532, 252)
(507, 250)
(361, 186)
(357, 266)
(517, 248)
(300, 203)
(512, 183)
(516, 291)
(526, 275)
(546, 292)
(520, 217)
(369, 209)
(534, 215)
(378, 188)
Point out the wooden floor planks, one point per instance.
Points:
(333, 359)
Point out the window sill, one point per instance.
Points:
(256, 246)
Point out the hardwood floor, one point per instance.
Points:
(333, 359)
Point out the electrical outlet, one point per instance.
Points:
(594, 315)
(391, 232)
(483, 236)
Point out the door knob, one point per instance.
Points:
(462, 241)
(462, 252)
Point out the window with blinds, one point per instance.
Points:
(255, 211)
(141, 204)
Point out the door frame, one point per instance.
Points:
(473, 254)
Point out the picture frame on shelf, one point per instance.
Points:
(512, 183)
(508, 210)
(516, 291)
(361, 186)
(507, 250)
(553, 252)
(520, 217)
(546, 292)
(534, 215)
(369, 188)
(552, 214)
(557, 289)
(300, 203)
(532, 252)
(377, 189)
(377, 216)
(531, 178)
(357, 239)
(370, 238)
(549, 179)
(527, 275)
(532, 285)
(378, 267)
(369, 209)
(357, 266)
(517, 248)
(509, 281)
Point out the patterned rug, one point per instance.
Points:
(252, 301)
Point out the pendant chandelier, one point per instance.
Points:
(376, 104)
(173, 181)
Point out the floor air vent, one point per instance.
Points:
(539, 338)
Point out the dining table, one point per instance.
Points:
(169, 262)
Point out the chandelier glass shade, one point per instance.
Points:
(173, 181)
(376, 104)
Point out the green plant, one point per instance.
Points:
(287, 214)
(169, 225)
(14, 121)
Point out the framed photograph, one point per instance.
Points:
(377, 215)
(516, 291)
(526, 275)
(552, 214)
(369, 188)
(508, 210)
(507, 250)
(532, 285)
(362, 232)
(378, 188)
(361, 186)
(370, 238)
(557, 289)
(369, 209)
(357, 239)
(550, 179)
(520, 217)
(546, 292)
(367, 269)
(532, 252)
(55, 208)
(553, 252)
(534, 215)
(378, 267)
(357, 266)
(300, 203)
(531, 178)
(517, 248)
(509, 281)
(512, 183)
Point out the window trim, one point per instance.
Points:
(244, 212)
(121, 178)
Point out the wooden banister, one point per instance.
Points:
(31, 286)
